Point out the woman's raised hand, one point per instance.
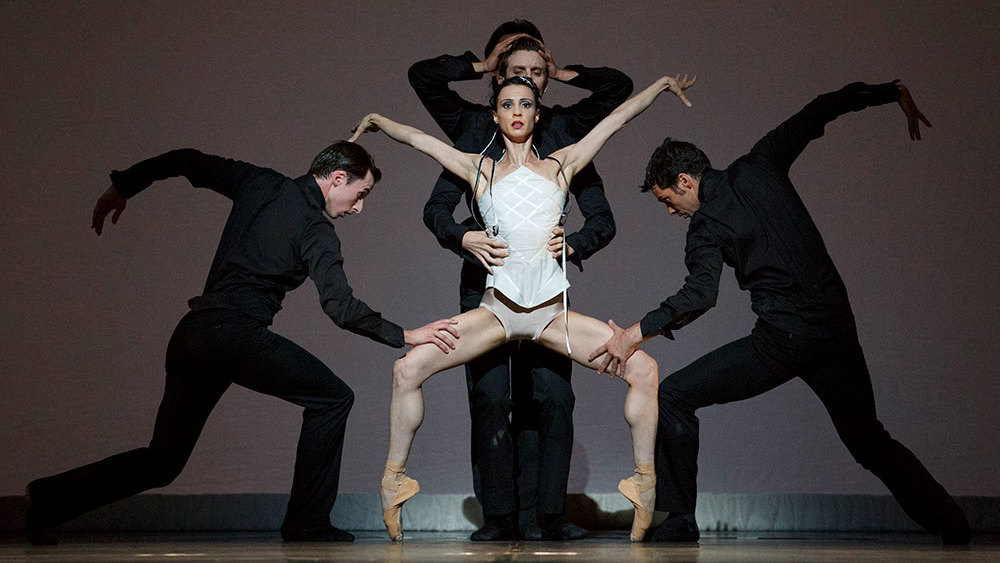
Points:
(366, 125)
(677, 85)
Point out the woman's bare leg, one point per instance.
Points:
(586, 334)
(479, 331)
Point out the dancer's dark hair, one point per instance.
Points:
(512, 81)
(672, 158)
(509, 28)
(347, 156)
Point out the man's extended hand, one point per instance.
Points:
(556, 243)
(109, 201)
(618, 349)
(489, 251)
(913, 115)
(439, 333)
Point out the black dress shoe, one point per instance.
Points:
(320, 533)
(561, 529)
(956, 531)
(679, 528)
(495, 529)
(35, 529)
(531, 532)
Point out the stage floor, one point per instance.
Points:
(445, 547)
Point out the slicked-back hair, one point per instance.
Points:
(672, 158)
(350, 157)
(514, 81)
(521, 44)
(509, 28)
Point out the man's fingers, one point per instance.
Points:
(596, 353)
(450, 329)
(442, 337)
(604, 364)
(483, 260)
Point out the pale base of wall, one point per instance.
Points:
(452, 512)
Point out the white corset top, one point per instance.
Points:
(525, 207)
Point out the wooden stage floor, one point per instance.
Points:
(446, 547)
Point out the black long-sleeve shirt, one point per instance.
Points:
(470, 127)
(276, 236)
(752, 219)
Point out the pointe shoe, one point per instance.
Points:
(633, 489)
(404, 489)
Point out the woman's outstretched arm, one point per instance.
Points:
(462, 164)
(579, 154)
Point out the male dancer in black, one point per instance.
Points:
(279, 232)
(534, 381)
(750, 217)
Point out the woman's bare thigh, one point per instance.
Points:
(479, 331)
(586, 334)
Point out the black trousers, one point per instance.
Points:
(835, 369)
(208, 351)
(521, 403)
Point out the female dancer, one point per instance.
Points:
(521, 197)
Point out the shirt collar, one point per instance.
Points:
(710, 184)
(309, 187)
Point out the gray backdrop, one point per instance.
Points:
(93, 86)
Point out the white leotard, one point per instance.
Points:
(525, 207)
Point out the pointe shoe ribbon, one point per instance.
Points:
(404, 489)
(632, 489)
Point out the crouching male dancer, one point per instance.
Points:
(750, 217)
(278, 233)
(520, 396)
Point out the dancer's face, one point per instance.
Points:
(681, 198)
(528, 64)
(346, 197)
(516, 112)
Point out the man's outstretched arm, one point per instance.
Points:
(785, 142)
(222, 175)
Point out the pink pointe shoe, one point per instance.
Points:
(404, 489)
(632, 488)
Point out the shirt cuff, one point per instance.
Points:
(655, 322)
